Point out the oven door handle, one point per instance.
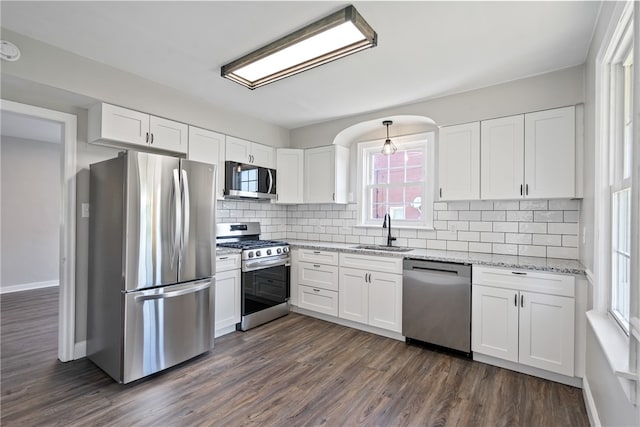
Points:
(266, 263)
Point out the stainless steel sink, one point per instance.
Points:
(383, 248)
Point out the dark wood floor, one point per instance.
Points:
(293, 371)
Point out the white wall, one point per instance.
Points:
(556, 89)
(611, 404)
(45, 64)
(30, 211)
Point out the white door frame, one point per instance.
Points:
(67, 298)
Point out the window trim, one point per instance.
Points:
(429, 183)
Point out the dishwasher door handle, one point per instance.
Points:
(437, 270)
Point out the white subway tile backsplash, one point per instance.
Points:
(564, 205)
(527, 250)
(536, 228)
(479, 247)
(520, 216)
(503, 249)
(566, 253)
(494, 215)
(517, 238)
(547, 239)
(505, 227)
(533, 227)
(547, 216)
(563, 228)
(481, 206)
(469, 215)
(534, 205)
(480, 226)
(492, 237)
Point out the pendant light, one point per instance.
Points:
(389, 147)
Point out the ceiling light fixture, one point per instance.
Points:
(335, 36)
(389, 147)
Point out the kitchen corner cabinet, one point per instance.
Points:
(371, 291)
(524, 317)
(459, 162)
(326, 178)
(529, 156)
(290, 175)
(227, 294)
(113, 125)
(243, 151)
(209, 147)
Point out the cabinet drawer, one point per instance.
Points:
(227, 262)
(372, 263)
(318, 275)
(524, 280)
(319, 300)
(319, 257)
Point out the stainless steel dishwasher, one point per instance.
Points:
(436, 304)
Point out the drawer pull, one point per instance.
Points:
(316, 265)
(317, 252)
(224, 257)
(316, 290)
(519, 273)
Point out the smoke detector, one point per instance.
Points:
(9, 51)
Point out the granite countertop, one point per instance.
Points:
(227, 251)
(554, 265)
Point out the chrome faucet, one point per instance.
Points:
(384, 225)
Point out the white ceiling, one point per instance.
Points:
(425, 49)
(28, 127)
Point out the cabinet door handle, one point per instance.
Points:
(440, 191)
(515, 300)
(151, 142)
(521, 189)
(146, 138)
(333, 197)
(526, 189)
(521, 300)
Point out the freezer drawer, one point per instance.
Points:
(166, 326)
(436, 303)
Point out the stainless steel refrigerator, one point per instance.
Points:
(151, 263)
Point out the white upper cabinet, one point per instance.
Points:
(243, 151)
(290, 175)
(459, 162)
(550, 153)
(112, 125)
(326, 177)
(502, 158)
(209, 147)
(530, 156)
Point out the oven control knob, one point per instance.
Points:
(250, 255)
(258, 253)
(279, 250)
(268, 251)
(285, 250)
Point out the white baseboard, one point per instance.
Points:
(590, 404)
(80, 350)
(28, 286)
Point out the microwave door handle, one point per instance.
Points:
(270, 175)
(178, 214)
(187, 210)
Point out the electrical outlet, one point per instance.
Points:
(85, 210)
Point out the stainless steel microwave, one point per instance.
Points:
(246, 181)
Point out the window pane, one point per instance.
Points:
(620, 265)
(415, 158)
(628, 115)
(415, 174)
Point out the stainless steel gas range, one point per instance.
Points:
(266, 266)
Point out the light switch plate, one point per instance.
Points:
(85, 210)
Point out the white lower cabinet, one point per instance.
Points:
(318, 299)
(227, 303)
(316, 277)
(524, 317)
(369, 296)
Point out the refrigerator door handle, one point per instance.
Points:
(178, 212)
(172, 294)
(186, 203)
